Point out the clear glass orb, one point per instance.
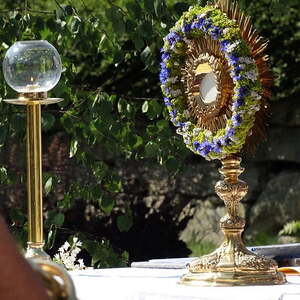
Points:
(32, 66)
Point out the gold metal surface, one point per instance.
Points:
(19, 101)
(34, 180)
(232, 264)
(57, 281)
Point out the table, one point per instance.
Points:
(161, 284)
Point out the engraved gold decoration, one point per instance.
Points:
(232, 264)
(206, 52)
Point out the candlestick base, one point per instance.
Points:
(35, 250)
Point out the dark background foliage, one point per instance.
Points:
(113, 118)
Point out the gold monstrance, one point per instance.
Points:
(215, 80)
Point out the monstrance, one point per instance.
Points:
(215, 80)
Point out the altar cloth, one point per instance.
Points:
(162, 284)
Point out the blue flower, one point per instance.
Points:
(229, 133)
(173, 113)
(237, 119)
(204, 148)
(165, 55)
(180, 124)
(224, 44)
(186, 28)
(167, 101)
(164, 73)
(238, 102)
(217, 148)
(216, 32)
(243, 91)
(207, 25)
(233, 59)
(166, 90)
(173, 37)
(196, 146)
(198, 24)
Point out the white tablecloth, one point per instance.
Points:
(161, 284)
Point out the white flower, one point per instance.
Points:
(226, 30)
(65, 246)
(208, 133)
(67, 255)
(187, 113)
(172, 79)
(196, 131)
(252, 75)
(233, 46)
(187, 41)
(255, 95)
(247, 60)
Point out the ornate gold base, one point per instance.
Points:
(229, 267)
(232, 263)
(36, 251)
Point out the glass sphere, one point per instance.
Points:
(32, 66)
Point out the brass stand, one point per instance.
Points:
(232, 264)
(33, 101)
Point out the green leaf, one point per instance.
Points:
(48, 121)
(172, 164)
(154, 110)
(134, 9)
(73, 148)
(151, 149)
(125, 222)
(116, 17)
(51, 237)
(145, 107)
(181, 7)
(48, 185)
(106, 203)
(54, 218)
(159, 7)
(149, 6)
(17, 215)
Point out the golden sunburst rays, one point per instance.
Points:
(204, 57)
(257, 46)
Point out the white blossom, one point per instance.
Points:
(233, 46)
(172, 79)
(255, 95)
(252, 75)
(67, 255)
(247, 60)
(196, 131)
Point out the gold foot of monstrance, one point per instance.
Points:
(232, 263)
(215, 80)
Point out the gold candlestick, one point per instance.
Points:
(33, 102)
(232, 263)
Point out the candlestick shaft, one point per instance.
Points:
(34, 177)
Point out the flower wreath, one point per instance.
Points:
(211, 22)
